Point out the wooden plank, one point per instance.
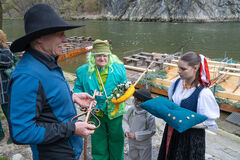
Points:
(159, 64)
(228, 108)
(232, 69)
(230, 73)
(156, 90)
(221, 63)
(138, 68)
(142, 58)
(146, 54)
(224, 63)
(163, 82)
(170, 64)
(161, 92)
(139, 56)
(158, 56)
(130, 58)
(229, 96)
(175, 65)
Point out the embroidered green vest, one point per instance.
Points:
(110, 107)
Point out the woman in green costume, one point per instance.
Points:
(104, 71)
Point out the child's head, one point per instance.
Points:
(141, 96)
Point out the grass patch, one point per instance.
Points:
(2, 117)
(12, 18)
(3, 158)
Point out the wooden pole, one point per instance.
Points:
(139, 69)
(85, 148)
(90, 107)
(143, 73)
(86, 120)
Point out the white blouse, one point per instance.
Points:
(206, 106)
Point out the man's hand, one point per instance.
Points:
(84, 129)
(83, 99)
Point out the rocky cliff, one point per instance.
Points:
(172, 10)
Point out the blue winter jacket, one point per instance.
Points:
(41, 108)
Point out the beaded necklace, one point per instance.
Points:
(185, 86)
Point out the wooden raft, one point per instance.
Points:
(226, 75)
(75, 46)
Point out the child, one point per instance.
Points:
(139, 127)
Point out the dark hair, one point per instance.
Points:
(193, 59)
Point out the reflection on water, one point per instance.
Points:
(72, 63)
(214, 40)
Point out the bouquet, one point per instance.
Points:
(120, 90)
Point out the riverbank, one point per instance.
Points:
(140, 10)
(110, 17)
(223, 144)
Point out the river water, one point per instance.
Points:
(214, 40)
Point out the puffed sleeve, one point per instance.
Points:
(170, 89)
(208, 107)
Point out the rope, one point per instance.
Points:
(101, 82)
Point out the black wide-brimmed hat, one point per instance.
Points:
(40, 20)
(142, 94)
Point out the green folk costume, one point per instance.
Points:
(108, 140)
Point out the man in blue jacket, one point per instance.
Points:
(41, 104)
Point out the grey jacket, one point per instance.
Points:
(142, 124)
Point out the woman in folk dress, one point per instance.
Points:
(190, 91)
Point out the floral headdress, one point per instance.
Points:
(204, 72)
